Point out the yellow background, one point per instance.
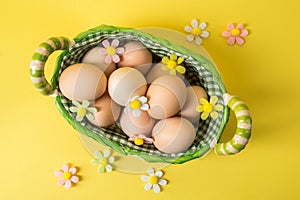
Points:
(35, 139)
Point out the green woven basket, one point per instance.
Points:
(199, 71)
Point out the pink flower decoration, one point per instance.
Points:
(140, 139)
(235, 34)
(67, 176)
(112, 51)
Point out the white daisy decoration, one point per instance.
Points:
(196, 31)
(83, 110)
(136, 104)
(154, 180)
(103, 161)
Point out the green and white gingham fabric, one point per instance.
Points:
(196, 74)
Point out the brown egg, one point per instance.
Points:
(173, 135)
(82, 82)
(125, 83)
(166, 96)
(136, 125)
(189, 110)
(107, 111)
(94, 57)
(156, 72)
(136, 54)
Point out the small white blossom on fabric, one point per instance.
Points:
(140, 139)
(136, 104)
(154, 180)
(103, 161)
(67, 176)
(83, 110)
(112, 51)
(196, 31)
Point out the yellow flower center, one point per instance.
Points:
(103, 161)
(67, 175)
(172, 64)
(196, 31)
(111, 50)
(235, 32)
(138, 141)
(153, 180)
(135, 104)
(81, 112)
(208, 108)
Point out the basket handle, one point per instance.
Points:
(243, 130)
(39, 59)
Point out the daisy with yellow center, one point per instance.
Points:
(209, 108)
(103, 161)
(154, 180)
(67, 176)
(136, 104)
(196, 31)
(172, 64)
(140, 139)
(112, 51)
(83, 110)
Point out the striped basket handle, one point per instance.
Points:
(243, 130)
(39, 59)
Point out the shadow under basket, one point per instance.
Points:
(200, 71)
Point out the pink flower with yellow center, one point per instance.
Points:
(67, 176)
(112, 51)
(140, 139)
(235, 34)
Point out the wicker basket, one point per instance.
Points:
(200, 71)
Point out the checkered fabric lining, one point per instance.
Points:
(196, 74)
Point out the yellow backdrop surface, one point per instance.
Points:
(35, 140)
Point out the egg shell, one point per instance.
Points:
(136, 125)
(107, 111)
(82, 82)
(166, 96)
(156, 71)
(173, 135)
(136, 54)
(125, 83)
(94, 57)
(189, 110)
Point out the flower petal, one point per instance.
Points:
(136, 113)
(226, 34)
(90, 116)
(73, 109)
(92, 110)
(111, 160)
(159, 173)
(204, 34)
(188, 29)
(194, 23)
(58, 173)
(204, 115)
(202, 26)
(198, 40)
(240, 26)
(68, 184)
(190, 37)
(76, 103)
(74, 179)
(107, 59)
(240, 40)
(72, 170)
(127, 109)
(61, 182)
(95, 162)
(244, 33)
(102, 51)
(180, 69)
(105, 43)
(199, 108)
(120, 50)
(115, 43)
(148, 186)
(148, 140)
(230, 27)
(144, 107)
(156, 188)
(116, 58)
(162, 182)
(65, 168)
(106, 153)
(98, 155)
(145, 178)
(180, 60)
(218, 107)
(165, 68)
(213, 100)
(173, 72)
(101, 169)
(173, 57)
(151, 171)
(203, 101)
(143, 99)
(85, 103)
(214, 115)
(231, 40)
(165, 60)
(108, 168)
